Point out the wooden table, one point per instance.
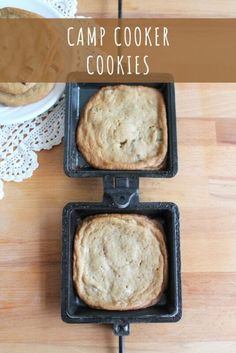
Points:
(204, 189)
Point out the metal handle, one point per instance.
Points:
(121, 344)
(121, 329)
(119, 8)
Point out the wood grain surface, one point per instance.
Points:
(204, 189)
(159, 8)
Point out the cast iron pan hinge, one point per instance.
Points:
(120, 191)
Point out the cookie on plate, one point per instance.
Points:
(34, 94)
(21, 93)
(15, 88)
(13, 12)
(120, 261)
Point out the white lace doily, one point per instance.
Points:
(19, 142)
(67, 8)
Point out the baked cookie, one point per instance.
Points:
(13, 12)
(15, 88)
(124, 127)
(18, 94)
(120, 261)
(34, 94)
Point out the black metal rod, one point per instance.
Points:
(119, 8)
(121, 344)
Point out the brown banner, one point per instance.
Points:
(105, 50)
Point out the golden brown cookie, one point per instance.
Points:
(34, 94)
(18, 94)
(15, 88)
(13, 12)
(124, 127)
(120, 261)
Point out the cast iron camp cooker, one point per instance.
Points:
(78, 94)
(168, 309)
(121, 195)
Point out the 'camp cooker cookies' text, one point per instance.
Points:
(122, 37)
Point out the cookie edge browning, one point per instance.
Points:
(154, 163)
(15, 88)
(159, 234)
(7, 12)
(43, 89)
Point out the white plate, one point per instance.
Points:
(14, 115)
(11, 115)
